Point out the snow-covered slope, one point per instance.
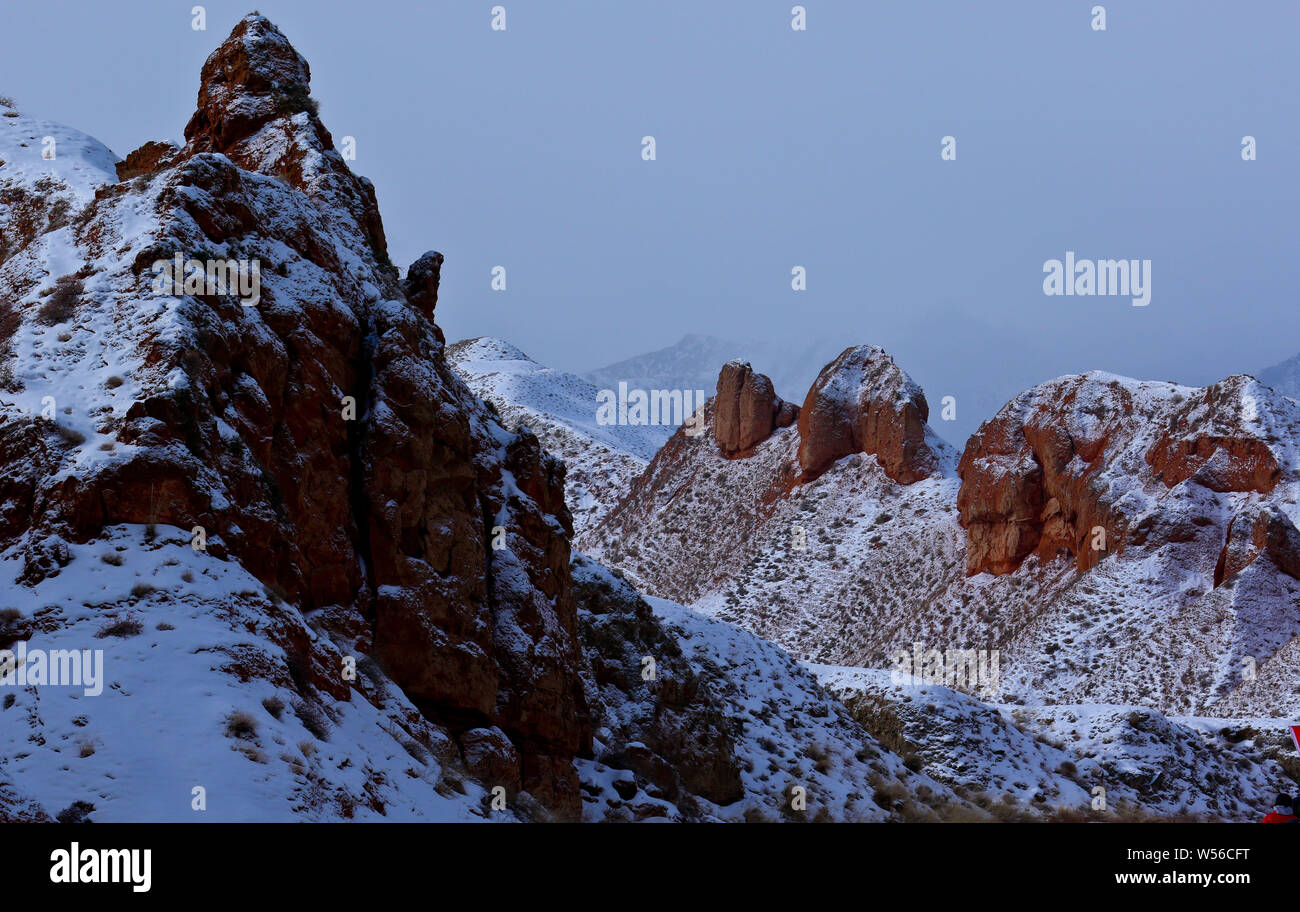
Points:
(201, 656)
(703, 721)
(560, 408)
(201, 690)
(33, 149)
(1190, 605)
(48, 174)
(518, 385)
(1058, 761)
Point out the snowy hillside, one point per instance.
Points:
(304, 561)
(48, 174)
(202, 688)
(304, 571)
(207, 662)
(33, 149)
(560, 408)
(1192, 604)
(1056, 761)
(756, 737)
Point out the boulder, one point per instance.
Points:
(747, 409)
(862, 402)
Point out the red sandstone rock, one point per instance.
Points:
(862, 402)
(145, 160)
(1035, 477)
(1026, 478)
(747, 409)
(1254, 532)
(1210, 439)
(421, 283)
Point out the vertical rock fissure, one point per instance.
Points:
(358, 497)
(1221, 566)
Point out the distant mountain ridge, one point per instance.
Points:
(1283, 377)
(855, 532)
(693, 362)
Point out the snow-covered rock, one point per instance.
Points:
(315, 577)
(1118, 541)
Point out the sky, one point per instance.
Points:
(777, 148)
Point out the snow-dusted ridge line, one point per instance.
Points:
(560, 408)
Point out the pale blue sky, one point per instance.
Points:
(777, 148)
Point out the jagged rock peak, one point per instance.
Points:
(255, 107)
(862, 402)
(747, 409)
(421, 283)
(255, 76)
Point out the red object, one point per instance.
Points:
(1275, 817)
(1295, 736)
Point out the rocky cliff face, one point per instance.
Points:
(318, 439)
(1049, 474)
(325, 580)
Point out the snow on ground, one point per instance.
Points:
(1057, 761)
(852, 566)
(197, 692)
(81, 162)
(793, 734)
(788, 732)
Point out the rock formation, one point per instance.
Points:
(863, 403)
(747, 409)
(1042, 476)
(318, 439)
(146, 159)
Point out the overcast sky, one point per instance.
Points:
(778, 148)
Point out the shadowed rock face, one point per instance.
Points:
(677, 736)
(747, 409)
(862, 402)
(1023, 492)
(421, 283)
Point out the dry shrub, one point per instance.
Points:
(61, 305)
